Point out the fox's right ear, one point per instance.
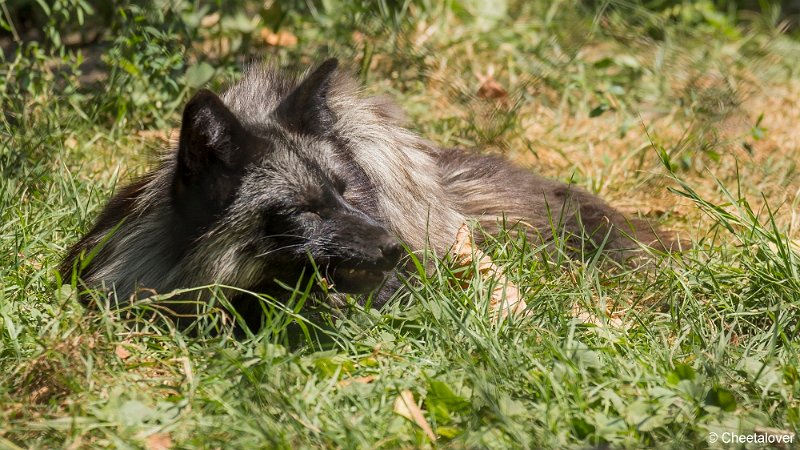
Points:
(306, 109)
(210, 154)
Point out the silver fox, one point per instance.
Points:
(278, 176)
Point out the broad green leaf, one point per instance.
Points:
(199, 74)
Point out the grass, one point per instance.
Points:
(685, 115)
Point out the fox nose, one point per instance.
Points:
(391, 251)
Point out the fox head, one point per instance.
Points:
(252, 199)
(282, 190)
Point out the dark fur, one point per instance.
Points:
(276, 174)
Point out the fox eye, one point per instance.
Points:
(339, 185)
(310, 211)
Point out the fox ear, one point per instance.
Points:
(210, 154)
(209, 132)
(306, 109)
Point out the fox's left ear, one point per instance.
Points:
(306, 109)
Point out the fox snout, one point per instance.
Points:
(368, 253)
(391, 251)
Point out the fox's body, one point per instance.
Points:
(275, 174)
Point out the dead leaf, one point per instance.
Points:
(793, 245)
(165, 136)
(406, 406)
(588, 317)
(187, 369)
(158, 441)
(325, 284)
(34, 263)
(608, 313)
(122, 352)
(279, 39)
(71, 142)
(490, 89)
(424, 32)
(209, 20)
(363, 380)
(505, 297)
(40, 394)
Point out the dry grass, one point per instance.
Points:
(703, 118)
